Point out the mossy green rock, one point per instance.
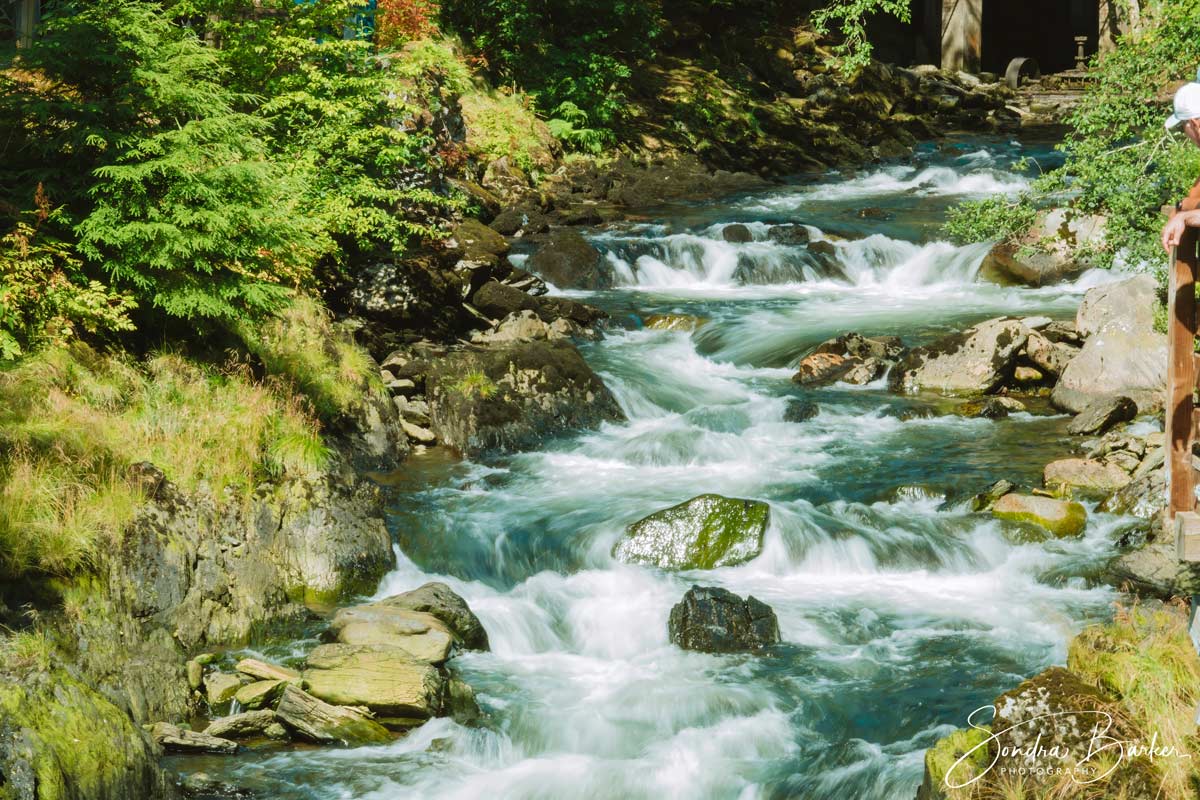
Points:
(1060, 517)
(947, 753)
(259, 694)
(60, 740)
(703, 533)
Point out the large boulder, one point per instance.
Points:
(497, 300)
(1123, 356)
(383, 678)
(1059, 517)
(515, 396)
(1154, 570)
(569, 261)
(426, 624)
(713, 620)
(705, 532)
(416, 294)
(1047, 252)
(479, 243)
(977, 360)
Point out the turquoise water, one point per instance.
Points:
(900, 613)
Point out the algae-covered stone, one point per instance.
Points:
(1059, 517)
(259, 694)
(964, 754)
(221, 687)
(384, 679)
(705, 532)
(318, 721)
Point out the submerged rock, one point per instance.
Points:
(674, 322)
(799, 410)
(991, 408)
(318, 721)
(1059, 517)
(713, 620)
(385, 679)
(737, 233)
(975, 361)
(705, 532)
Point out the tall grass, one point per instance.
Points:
(73, 420)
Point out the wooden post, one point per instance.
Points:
(28, 12)
(1181, 385)
(962, 34)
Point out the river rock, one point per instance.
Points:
(419, 293)
(737, 233)
(789, 234)
(441, 602)
(1059, 517)
(322, 722)
(1100, 416)
(1123, 356)
(977, 360)
(986, 500)
(515, 396)
(713, 620)
(1052, 709)
(1154, 570)
(479, 243)
(420, 636)
(525, 326)
(265, 671)
(1089, 475)
(705, 532)
(990, 408)
(517, 222)
(1049, 357)
(800, 410)
(174, 739)
(220, 687)
(259, 694)
(821, 369)
(385, 679)
(1145, 495)
(242, 726)
(1015, 265)
(569, 261)
(855, 345)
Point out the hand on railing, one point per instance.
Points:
(1172, 233)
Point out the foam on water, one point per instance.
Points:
(900, 612)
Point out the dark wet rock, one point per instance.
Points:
(977, 360)
(712, 620)
(245, 725)
(737, 233)
(497, 300)
(1102, 415)
(174, 739)
(526, 282)
(383, 678)
(800, 410)
(985, 500)
(569, 261)
(875, 213)
(1060, 517)
(705, 532)
(461, 705)
(1123, 355)
(323, 722)
(479, 243)
(416, 294)
(518, 222)
(203, 786)
(789, 234)
(513, 397)
(61, 739)
(990, 408)
(683, 178)
(823, 248)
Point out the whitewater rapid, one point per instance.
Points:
(900, 610)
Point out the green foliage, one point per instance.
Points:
(476, 383)
(578, 51)
(301, 345)
(173, 193)
(45, 297)
(850, 18)
(73, 420)
(569, 126)
(340, 114)
(1120, 163)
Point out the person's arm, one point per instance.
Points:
(1173, 231)
(1192, 201)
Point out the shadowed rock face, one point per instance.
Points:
(703, 533)
(714, 620)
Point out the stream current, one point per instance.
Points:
(900, 611)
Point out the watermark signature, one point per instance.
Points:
(1086, 762)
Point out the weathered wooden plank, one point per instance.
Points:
(1181, 375)
(1187, 536)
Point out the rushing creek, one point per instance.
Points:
(900, 611)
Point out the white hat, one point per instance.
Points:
(1187, 104)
